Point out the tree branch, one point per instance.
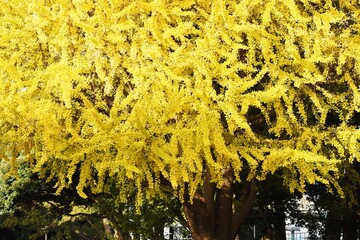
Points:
(241, 214)
(209, 190)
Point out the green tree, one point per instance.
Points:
(207, 97)
(336, 216)
(30, 209)
(156, 214)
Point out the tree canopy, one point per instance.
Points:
(168, 90)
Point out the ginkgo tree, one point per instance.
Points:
(196, 95)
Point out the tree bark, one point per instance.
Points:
(332, 225)
(240, 215)
(118, 234)
(107, 227)
(279, 224)
(350, 226)
(224, 200)
(198, 220)
(200, 214)
(210, 216)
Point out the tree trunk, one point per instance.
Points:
(332, 225)
(350, 226)
(107, 227)
(200, 214)
(117, 232)
(240, 215)
(172, 233)
(210, 216)
(224, 200)
(279, 224)
(198, 220)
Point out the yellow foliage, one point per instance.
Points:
(138, 89)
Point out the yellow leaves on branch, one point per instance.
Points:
(138, 89)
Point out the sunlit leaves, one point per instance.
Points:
(141, 89)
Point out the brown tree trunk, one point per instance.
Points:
(210, 216)
(198, 220)
(332, 225)
(240, 215)
(350, 226)
(224, 200)
(200, 214)
(107, 227)
(279, 224)
(117, 232)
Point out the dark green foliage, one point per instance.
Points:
(29, 209)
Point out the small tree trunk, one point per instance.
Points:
(107, 227)
(279, 224)
(172, 232)
(332, 225)
(224, 200)
(350, 226)
(240, 215)
(116, 229)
